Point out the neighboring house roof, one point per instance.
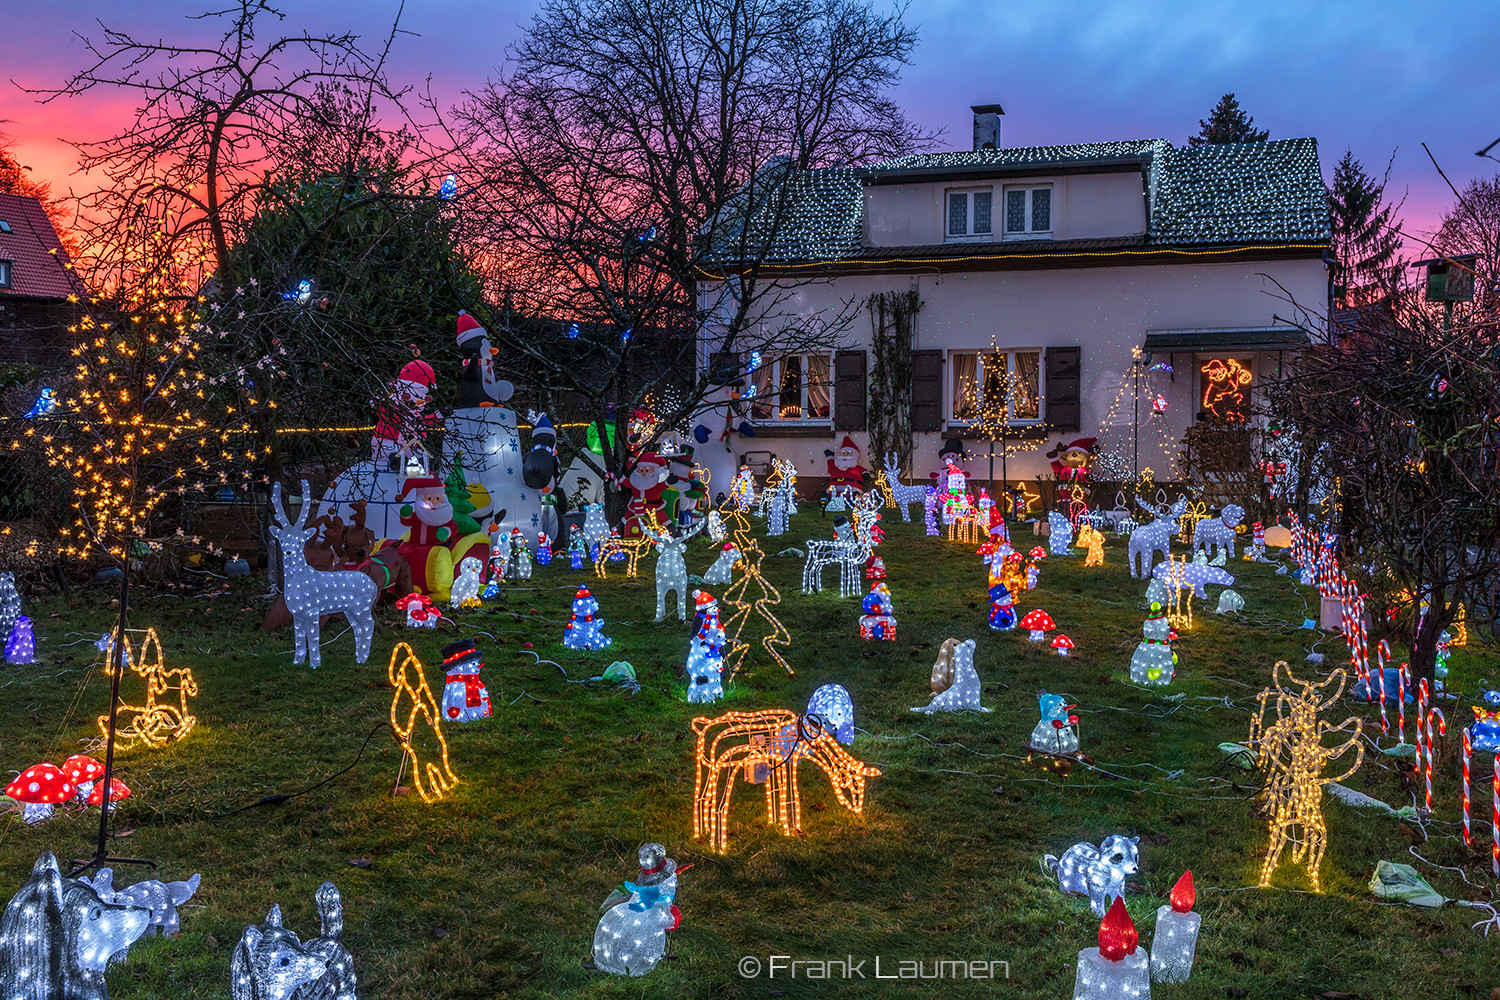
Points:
(40, 268)
(1227, 196)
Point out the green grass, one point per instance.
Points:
(495, 891)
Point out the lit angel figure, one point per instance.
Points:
(705, 662)
(632, 935)
(1054, 733)
(465, 592)
(722, 571)
(1118, 969)
(1174, 943)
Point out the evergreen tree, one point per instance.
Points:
(1365, 239)
(1227, 122)
(457, 488)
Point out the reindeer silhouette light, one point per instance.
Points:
(413, 699)
(155, 723)
(1292, 754)
(310, 594)
(767, 746)
(897, 494)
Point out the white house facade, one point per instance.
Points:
(1116, 291)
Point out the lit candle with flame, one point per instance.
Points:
(1117, 969)
(1175, 940)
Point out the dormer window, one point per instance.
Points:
(969, 213)
(1028, 212)
(5, 266)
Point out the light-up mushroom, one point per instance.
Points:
(1062, 644)
(1038, 623)
(117, 791)
(39, 788)
(1038, 553)
(82, 770)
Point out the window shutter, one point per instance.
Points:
(849, 392)
(724, 368)
(926, 390)
(1063, 409)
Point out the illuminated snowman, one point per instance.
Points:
(1154, 663)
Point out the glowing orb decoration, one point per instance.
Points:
(411, 703)
(632, 935)
(1096, 872)
(272, 963)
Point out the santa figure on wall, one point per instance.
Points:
(1070, 462)
(646, 483)
(846, 477)
(402, 421)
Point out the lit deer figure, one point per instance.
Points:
(310, 594)
(671, 569)
(1149, 539)
(900, 495)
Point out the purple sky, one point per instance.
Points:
(1374, 76)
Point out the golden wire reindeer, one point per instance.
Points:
(968, 526)
(1292, 755)
(738, 596)
(440, 778)
(774, 741)
(633, 547)
(155, 723)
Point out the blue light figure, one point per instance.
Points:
(1484, 734)
(303, 295)
(45, 404)
(1002, 608)
(449, 188)
(832, 704)
(575, 550)
(647, 236)
(625, 337)
(573, 331)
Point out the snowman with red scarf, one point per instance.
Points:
(465, 698)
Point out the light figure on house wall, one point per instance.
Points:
(1225, 381)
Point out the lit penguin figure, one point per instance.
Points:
(1174, 944)
(272, 963)
(1054, 733)
(465, 698)
(632, 935)
(582, 630)
(520, 555)
(963, 694)
(161, 898)
(20, 645)
(1153, 662)
(1096, 872)
(722, 571)
(576, 550)
(10, 602)
(499, 553)
(832, 704)
(465, 592)
(716, 530)
(57, 935)
(705, 661)
(543, 549)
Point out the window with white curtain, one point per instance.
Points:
(969, 213)
(792, 387)
(1007, 380)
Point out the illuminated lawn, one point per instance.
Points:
(495, 890)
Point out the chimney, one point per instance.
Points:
(986, 126)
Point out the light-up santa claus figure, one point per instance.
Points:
(402, 420)
(646, 486)
(846, 477)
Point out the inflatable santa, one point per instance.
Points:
(846, 477)
(646, 487)
(431, 546)
(1070, 462)
(402, 421)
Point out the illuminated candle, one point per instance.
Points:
(1175, 940)
(1117, 969)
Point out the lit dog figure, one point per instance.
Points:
(1096, 872)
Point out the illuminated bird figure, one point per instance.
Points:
(45, 404)
(449, 188)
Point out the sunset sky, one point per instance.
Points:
(1376, 77)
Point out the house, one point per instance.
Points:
(39, 291)
(1121, 290)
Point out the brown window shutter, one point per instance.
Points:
(926, 390)
(1064, 412)
(849, 391)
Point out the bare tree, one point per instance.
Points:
(632, 142)
(1472, 226)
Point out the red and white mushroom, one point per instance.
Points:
(40, 788)
(117, 791)
(1038, 623)
(1062, 644)
(82, 770)
(1038, 553)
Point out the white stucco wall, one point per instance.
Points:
(1105, 311)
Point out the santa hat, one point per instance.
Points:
(418, 372)
(422, 483)
(468, 327)
(730, 547)
(704, 600)
(649, 458)
(515, 531)
(848, 442)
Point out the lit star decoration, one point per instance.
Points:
(1174, 943)
(1292, 755)
(412, 701)
(164, 715)
(766, 747)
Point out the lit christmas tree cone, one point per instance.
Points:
(1117, 969)
(1175, 941)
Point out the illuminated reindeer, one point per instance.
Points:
(1292, 755)
(849, 548)
(774, 741)
(899, 495)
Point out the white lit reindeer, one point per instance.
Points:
(850, 549)
(901, 495)
(310, 594)
(671, 569)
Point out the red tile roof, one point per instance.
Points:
(39, 264)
